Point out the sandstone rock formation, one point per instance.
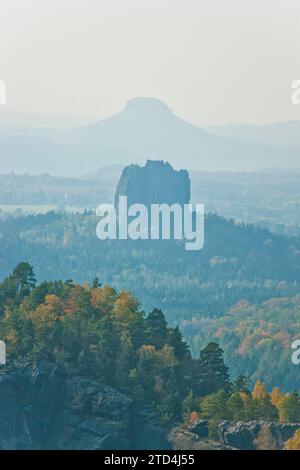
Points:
(43, 408)
(183, 439)
(155, 183)
(199, 427)
(256, 434)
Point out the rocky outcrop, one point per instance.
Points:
(243, 435)
(183, 439)
(256, 434)
(43, 408)
(155, 183)
(199, 427)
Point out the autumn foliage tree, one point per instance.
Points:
(294, 442)
(100, 333)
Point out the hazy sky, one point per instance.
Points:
(211, 61)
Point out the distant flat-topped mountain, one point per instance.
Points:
(146, 128)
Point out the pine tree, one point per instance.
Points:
(17, 286)
(156, 328)
(241, 384)
(212, 372)
(291, 407)
(24, 279)
(235, 405)
(175, 339)
(214, 407)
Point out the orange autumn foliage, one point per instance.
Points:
(194, 416)
(294, 442)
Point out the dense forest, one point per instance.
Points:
(237, 262)
(256, 339)
(97, 332)
(240, 290)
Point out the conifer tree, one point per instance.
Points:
(213, 373)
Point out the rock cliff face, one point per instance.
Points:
(243, 435)
(155, 183)
(199, 427)
(183, 439)
(256, 434)
(45, 409)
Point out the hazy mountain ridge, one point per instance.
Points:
(283, 133)
(145, 128)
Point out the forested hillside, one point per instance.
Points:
(242, 289)
(237, 262)
(256, 339)
(98, 333)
